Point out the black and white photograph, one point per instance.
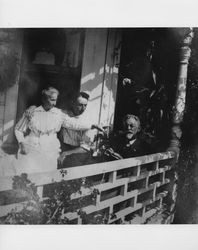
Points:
(98, 125)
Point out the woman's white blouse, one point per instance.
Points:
(38, 131)
(40, 122)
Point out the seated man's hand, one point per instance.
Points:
(111, 153)
(98, 127)
(24, 148)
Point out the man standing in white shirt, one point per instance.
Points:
(76, 144)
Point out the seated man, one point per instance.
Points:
(76, 144)
(130, 142)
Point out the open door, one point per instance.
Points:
(50, 57)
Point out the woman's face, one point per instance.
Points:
(49, 101)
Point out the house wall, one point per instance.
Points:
(10, 59)
(100, 72)
(100, 61)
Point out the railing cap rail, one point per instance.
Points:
(43, 178)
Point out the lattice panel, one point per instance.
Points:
(130, 191)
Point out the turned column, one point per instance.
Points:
(178, 115)
(180, 100)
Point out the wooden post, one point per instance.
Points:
(180, 93)
(179, 114)
(10, 63)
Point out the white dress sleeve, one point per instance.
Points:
(74, 124)
(21, 127)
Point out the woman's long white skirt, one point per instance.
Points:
(42, 157)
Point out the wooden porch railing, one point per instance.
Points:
(134, 190)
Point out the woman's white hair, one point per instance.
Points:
(49, 91)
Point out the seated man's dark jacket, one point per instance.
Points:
(141, 146)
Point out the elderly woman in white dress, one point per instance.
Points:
(36, 133)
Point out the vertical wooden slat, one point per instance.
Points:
(162, 177)
(40, 191)
(143, 212)
(154, 191)
(112, 177)
(147, 182)
(79, 220)
(138, 170)
(124, 189)
(157, 165)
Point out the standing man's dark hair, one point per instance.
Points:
(84, 95)
(79, 103)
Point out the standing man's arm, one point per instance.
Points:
(71, 123)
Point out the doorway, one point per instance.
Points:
(50, 57)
